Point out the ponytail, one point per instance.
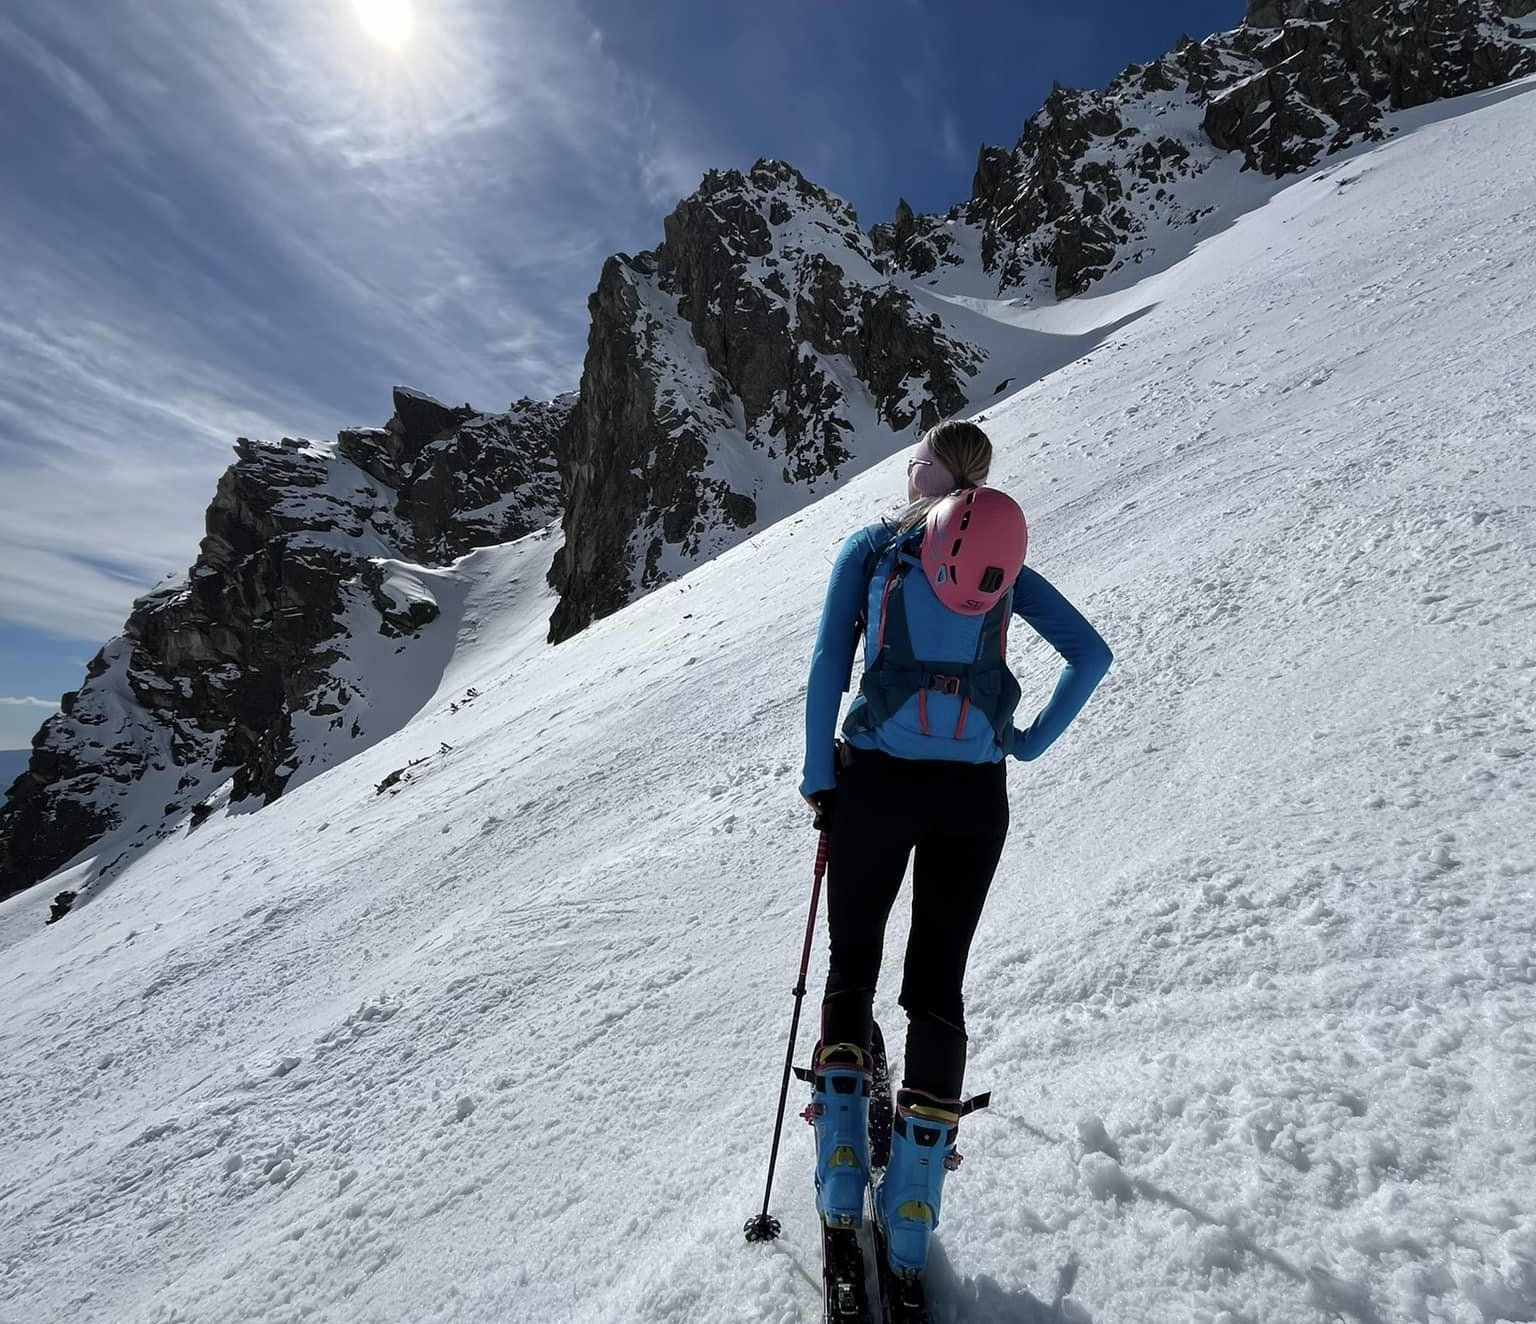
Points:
(962, 448)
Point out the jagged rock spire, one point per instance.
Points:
(716, 391)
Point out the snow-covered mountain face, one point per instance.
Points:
(1103, 181)
(1255, 989)
(293, 640)
(753, 360)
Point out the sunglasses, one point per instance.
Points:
(929, 477)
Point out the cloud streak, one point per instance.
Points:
(72, 88)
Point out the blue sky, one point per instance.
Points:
(227, 217)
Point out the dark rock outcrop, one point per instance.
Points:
(1328, 70)
(463, 480)
(212, 676)
(919, 244)
(730, 371)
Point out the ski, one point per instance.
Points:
(903, 1297)
(902, 1301)
(843, 1267)
(842, 1271)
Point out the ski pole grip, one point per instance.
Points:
(821, 856)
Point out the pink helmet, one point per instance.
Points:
(974, 548)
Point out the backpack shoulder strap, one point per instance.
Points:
(877, 554)
(901, 550)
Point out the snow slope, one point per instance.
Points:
(1256, 985)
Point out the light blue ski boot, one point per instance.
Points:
(840, 1113)
(907, 1200)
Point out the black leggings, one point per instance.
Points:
(955, 815)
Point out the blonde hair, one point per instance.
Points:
(962, 448)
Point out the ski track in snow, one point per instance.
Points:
(1254, 991)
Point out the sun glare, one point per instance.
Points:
(388, 22)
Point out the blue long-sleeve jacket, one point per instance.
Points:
(1045, 610)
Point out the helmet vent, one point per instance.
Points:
(955, 550)
(992, 579)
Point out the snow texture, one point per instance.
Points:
(486, 1022)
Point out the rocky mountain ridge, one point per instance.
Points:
(1097, 179)
(308, 546)
(757, 355)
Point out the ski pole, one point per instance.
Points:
(764, 1227)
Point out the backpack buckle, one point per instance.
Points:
(949, 685)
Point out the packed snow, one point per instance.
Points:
(487, 1022)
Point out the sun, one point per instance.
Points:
(388, 22)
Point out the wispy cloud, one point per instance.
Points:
(73, 88)
(924, 84)
(954, 150)
(242, 217)
(11, 701)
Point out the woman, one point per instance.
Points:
(921, 769)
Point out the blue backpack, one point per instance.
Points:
(936, 684)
